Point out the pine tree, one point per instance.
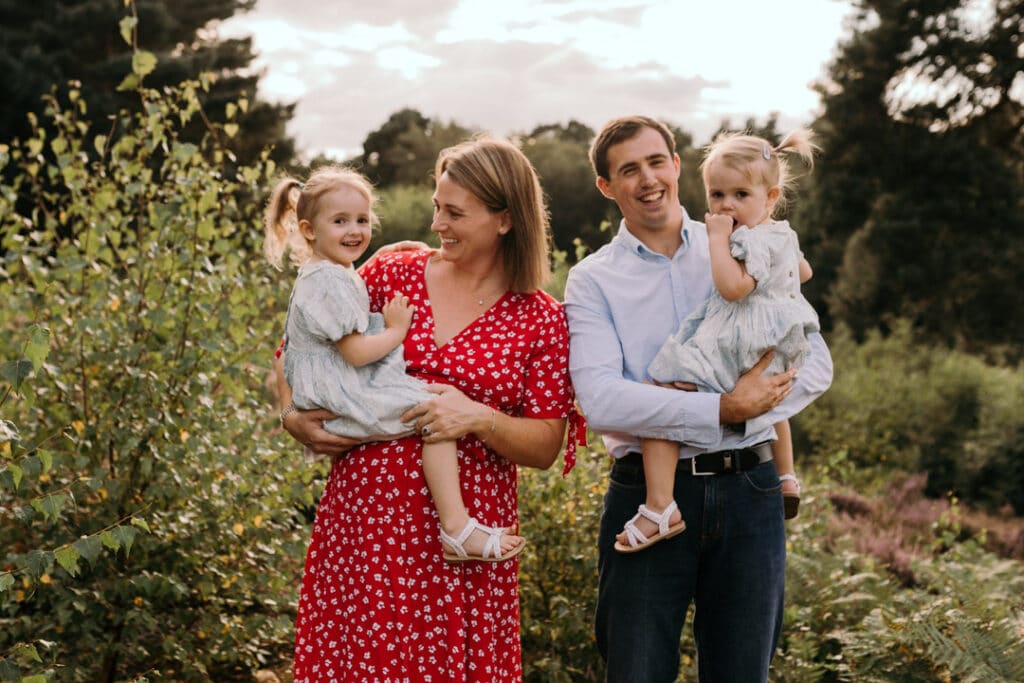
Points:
(47, 43)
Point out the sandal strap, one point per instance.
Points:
(634, 535)
(492, 546)
(792, 478)
(660, 519)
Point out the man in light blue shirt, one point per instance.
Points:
(622, 302)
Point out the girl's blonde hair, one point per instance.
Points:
(292, 201)
(759, 161)
(498, 174)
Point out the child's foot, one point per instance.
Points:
(790, 495)
(483, 543)
(648, 527)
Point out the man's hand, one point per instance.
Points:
(307, 427)
(755, 393)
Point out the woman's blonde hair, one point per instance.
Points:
(498, 174)
(759, 161)
(292, 201)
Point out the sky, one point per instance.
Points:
(506, 66)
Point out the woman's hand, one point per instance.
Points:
(404, 245)
(307, 427)
(448, 415)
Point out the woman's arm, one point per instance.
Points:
(307, 426)
(532, 442)
(729, 274)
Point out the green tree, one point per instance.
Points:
(912, 199)
(403, 150)
(48, 43)
(577, 208)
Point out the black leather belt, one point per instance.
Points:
(718, 462)
(733, 460)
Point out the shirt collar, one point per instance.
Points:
(631, 242)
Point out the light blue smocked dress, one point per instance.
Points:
(721, 340)
(328, 302)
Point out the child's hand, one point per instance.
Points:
(398, 313)
(718, 224)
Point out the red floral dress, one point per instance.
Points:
(378, 603)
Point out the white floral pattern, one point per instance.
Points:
(378, 603)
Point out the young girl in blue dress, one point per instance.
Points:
(345, 359)
(757, 268)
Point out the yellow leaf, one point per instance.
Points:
(79, 426)
(257, 521)
(238, 528)
(115, 304)
(138, 601)
(45, 579)
(5, 447)
(184, 435)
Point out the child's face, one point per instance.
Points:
(731, 193)
(341, 229)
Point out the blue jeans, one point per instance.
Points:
(731, 561)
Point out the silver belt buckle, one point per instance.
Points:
(693, 469)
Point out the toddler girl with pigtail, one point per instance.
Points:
(342, 358)
(757, 268)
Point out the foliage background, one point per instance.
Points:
(153, 519)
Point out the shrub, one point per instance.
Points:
(149, 526)
(912, 407)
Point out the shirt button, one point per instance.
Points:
(791, 273)
(792, 296)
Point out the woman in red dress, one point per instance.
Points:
(378, 602)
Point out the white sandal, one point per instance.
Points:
(636, 538)
(492, 547)
(791, 501)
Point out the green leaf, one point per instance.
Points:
(38, 345)
(6, 581)
(38, 678)
(89, 547)
(141, 523)
(125, 535)
(127, 24)
(16, 474)
(100, 144)
(130, 82)
(231, 129)
(50, 506)
(46, 458)
(67, 557)
(39, 562)
(15, 371)
(108, 540)
(143, 62)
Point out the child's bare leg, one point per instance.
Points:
(660, 460)
(782, 453)
(441, 471)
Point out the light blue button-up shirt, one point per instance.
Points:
(622, 302)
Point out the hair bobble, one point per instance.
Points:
(766, 151)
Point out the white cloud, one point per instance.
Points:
(508, 67)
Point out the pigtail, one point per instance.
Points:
(800, 142)
(281, 223)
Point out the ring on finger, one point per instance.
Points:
(425, 431)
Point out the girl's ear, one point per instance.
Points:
(773, 195)
(306, 230)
